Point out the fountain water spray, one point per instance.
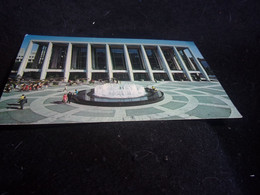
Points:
(113, 90)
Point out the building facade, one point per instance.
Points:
(126, 61)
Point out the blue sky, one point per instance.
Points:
(190, 44)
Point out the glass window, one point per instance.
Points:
(58, 57)
(141, 77)
(118, 58)
(197, 77)
(98, 76)
(180, 77)
(37, 55)
(79, 57)
(153, 58)
(188, 59)
(136, 60)
(31, 75)
(161, 77)
(171, 59)
(77, 75)
(121, 76)
(55, 75)
(99, 58)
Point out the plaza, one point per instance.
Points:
(183, 100)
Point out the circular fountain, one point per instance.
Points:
(113, 90)
(113, 94)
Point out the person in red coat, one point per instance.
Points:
(65, 98)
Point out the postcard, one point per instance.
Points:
(88, 80)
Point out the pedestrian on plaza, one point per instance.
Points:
(69, 97)
(76, 92)
(65, 98)
(22, 101)
(65, 88)
(154, 89)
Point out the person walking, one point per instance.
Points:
(22, 101)
(65, 89)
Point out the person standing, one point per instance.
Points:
(65, 98)
(69, 97)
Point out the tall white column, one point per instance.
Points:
(89, 63)
(68, 63)
(128, 64)
(185, 70)
(147, 63)
(46, 61)
(176, 63)
(202, 70)
(25, 59)
(165, 63)
(109, 62)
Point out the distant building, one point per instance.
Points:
(20, 55)
(125, 61)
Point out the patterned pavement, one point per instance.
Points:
(183, 100)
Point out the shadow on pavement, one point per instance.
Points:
(14, 104)
(57, 102)
(12, 107)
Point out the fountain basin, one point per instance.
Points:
(140, 96)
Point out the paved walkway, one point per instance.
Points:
(183, 100)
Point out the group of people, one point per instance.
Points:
(23, 87)
(67, 97)
(30, 87)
